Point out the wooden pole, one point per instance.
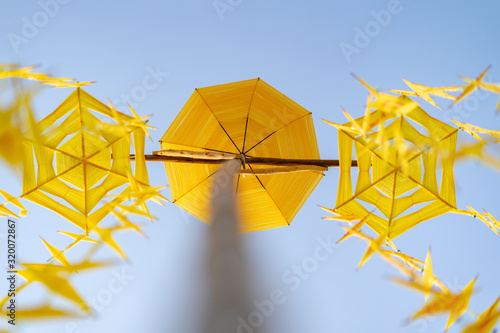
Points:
(177, 156)
(283, 169)
(206, 155)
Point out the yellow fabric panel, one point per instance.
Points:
(406, 222)
(44, 159)
(183, 177)
(55, 135)
(196, 126)
(72, 147)
(93, 175)
(373, 117)
(90, 102)
(141, 171)
(230, 103)
(121, 156)
(289, 191)
(413, 169)
(111, 182)
(364, 181)
(296, 140)
(198, 200)
(68, 105)
(270, 111)
(401, 128)
(78, 100)
(380, 170)
(417, 197)
(98, 215)
(192, 175)
(74, 197)
(29, 176)
(364, 157)
(448, 147)
(381, 177)
(256, 208)
(370, 144)
(109, 132)
(345, 156)
(44, 200)
(101, 159)
(437, 129)
(411, 134)
(429, 158)
(405, 184)
(65, 162)
(92, 143)
(93, 196)
(389, 131)
(378, 224)
(74, 176)
(374, 197)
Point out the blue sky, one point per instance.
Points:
(297, 47)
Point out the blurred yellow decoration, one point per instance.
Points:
(80, 158)
(252, 119)
(56, 253)
(454, 303)
(485, 217)
(45, 312)
(390, 165)
(56, 279)
(486, 321)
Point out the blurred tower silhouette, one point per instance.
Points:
(228, 298)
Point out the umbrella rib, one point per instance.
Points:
(208, 106)
(258, 143)
(248, 114)
(237, 185)
(279, 210)
(192, 188)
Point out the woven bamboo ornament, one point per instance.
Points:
(80, 158)
(397, 170)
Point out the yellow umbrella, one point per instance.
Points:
(246, 120)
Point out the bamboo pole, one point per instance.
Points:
(284, 169)
(218, 158)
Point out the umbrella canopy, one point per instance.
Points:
(249, 119)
